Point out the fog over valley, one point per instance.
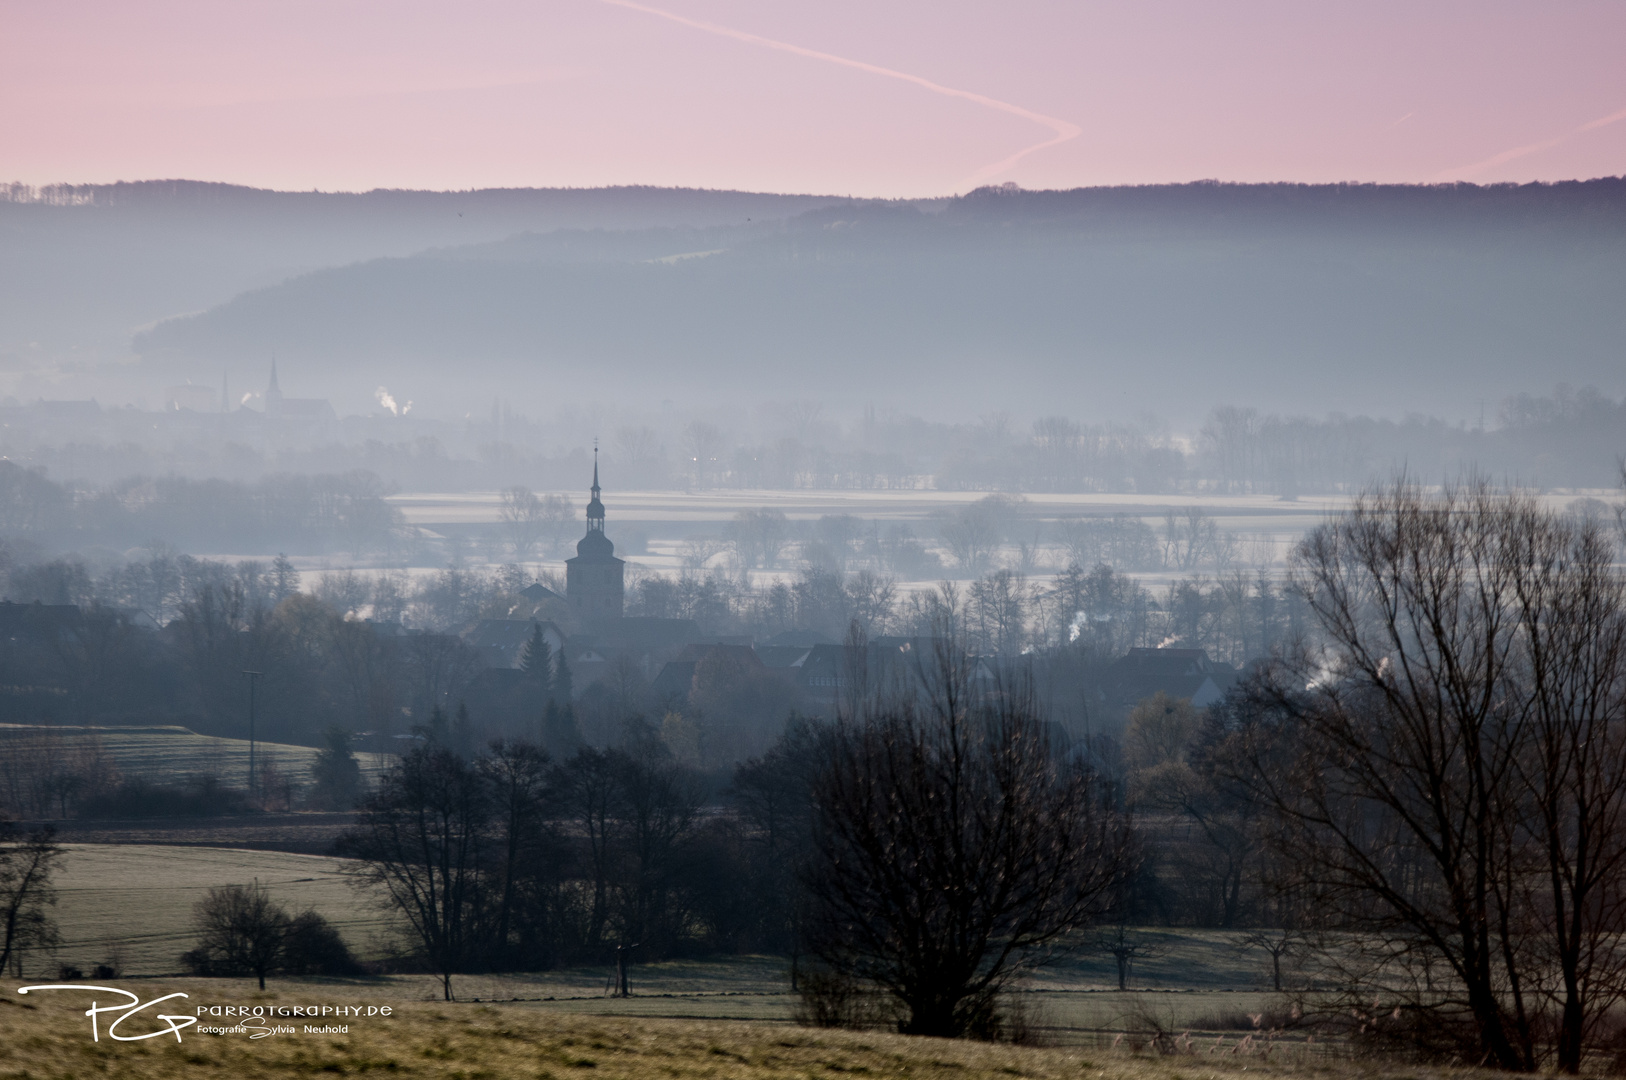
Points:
(1119, 302)
(927, 586)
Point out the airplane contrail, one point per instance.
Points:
(1521, 151)
(1064, 129)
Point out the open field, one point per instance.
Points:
(717, 1017)
(704, 509)
(140, 897)
(303, 832)
(1267, 524)
(169, 752)
(47, 1035)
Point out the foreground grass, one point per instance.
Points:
(46, 1040)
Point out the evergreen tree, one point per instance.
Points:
(437, 732)
(560, 735)
(336, 773)
(563, 686)
(463, 732)
(284, 579)
(536, 661)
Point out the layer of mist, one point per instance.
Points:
(1100, 304)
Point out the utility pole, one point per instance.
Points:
(621, 951)
(252, 676)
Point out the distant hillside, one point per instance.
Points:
(1094, 302)
(82, 267)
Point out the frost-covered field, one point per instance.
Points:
(138, 899)
(169, 752)
(667, 523)
(141, 895)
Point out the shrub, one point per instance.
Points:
(313, 946)
(831, 999)
(203, 796)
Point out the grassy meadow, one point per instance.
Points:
(716, 1018)
(141, 896)
(46, 1037)
(137, 899)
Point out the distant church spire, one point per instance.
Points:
(595, 508)
(595, 580)
(273, 393)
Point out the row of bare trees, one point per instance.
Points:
(511, 861)
(1443, 765)
(529, 520)
(1425, 791)
(928, 847)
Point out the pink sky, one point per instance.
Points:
(832, 96)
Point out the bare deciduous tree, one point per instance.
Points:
(997, 612)
(702, 443)
(952, 849)
(516, 774)
(696, 551)
(1447, 768)
(1125, 948)
(528, 519)
(759, 536)
(240, 928)
(26, 865)
(640, 448)
(520, 513)
(419, 840)
(1191, 538)
(973, 533)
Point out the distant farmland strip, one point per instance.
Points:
(170, 753)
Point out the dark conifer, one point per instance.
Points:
(563, 684)
(536, 660)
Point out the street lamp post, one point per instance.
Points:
(252, 676)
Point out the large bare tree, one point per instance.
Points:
(26, 865)
(953, 849)
(419, 841)
(521, 514)
(240, 928)
(1447, 766)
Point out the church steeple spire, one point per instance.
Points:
(595, 580)
(595, 508)
(273, 392)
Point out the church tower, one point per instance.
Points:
(273, 393)
(595, 580)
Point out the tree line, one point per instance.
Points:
(166, 639)
(1569, 438)
(837, 849)
(1415, 809)
(290, 512)
(511, 860)
(1418, 805)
